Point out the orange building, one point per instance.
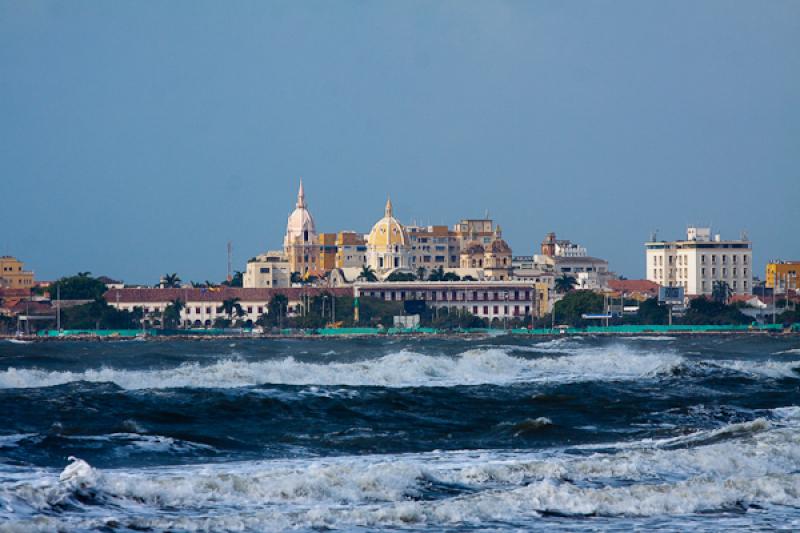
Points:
(13, 275)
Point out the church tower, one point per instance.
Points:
(301, 244)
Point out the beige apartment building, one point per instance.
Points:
(698, 261)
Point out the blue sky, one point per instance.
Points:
(137, 138)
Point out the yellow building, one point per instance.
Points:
(351, 250)
(388, 245)
(13, 275)
(782, 275)
(327, 251)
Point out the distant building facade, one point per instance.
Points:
(13, 274)
(268, 270)
(563, 257)
(700, 260)
(782, 275)
(489, 300)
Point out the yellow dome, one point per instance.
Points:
(387, 231)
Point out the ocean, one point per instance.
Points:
(401, 434)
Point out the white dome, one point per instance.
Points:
(300, 225)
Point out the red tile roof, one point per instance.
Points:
(634, 285)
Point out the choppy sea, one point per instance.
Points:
(399, 434)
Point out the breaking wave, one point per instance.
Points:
(400, 369)
(735, 467)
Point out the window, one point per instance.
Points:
(264, 270)
(495, 309)
(474, 309)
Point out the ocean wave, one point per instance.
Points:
(734, 467)
(399, 369)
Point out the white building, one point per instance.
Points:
(698, 261)
(269, 270)
(484, 299)
(300, 244)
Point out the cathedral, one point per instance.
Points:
(388, 245)
(301, 244)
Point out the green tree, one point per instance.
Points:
(650, 312)
(172, 314)
(98, 314)
(171, 281)
(230, 306)
(437, 274)
(296, 278)
(564, 284)
(367, 274)
(570, 308)
(277, 309)
(721, 291)
(704, 311)
(400, 276)
(79, 287)
(237, 280)
(468, 278)
(451, 276)
(421, 273)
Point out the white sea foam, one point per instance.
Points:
(769, 368)
(736, 466)
(399, 369)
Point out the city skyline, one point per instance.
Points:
(130, 162)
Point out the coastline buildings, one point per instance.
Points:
(13, 274)
(268, 270)
(563, 257)
(782, 275)
(700, 260)
(485, 299)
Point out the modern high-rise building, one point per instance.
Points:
(700, 260)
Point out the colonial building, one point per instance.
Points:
(203, 306)
(13, 274)
(490, 300)
(388, 245)
(698, 261)
(433, 247)
(301, 244)
(269, 270)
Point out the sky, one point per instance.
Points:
(138, 138)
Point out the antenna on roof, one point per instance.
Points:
(743, 235)
(654, 236)
(230, 255)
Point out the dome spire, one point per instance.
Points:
(301, 196)
(388, 207)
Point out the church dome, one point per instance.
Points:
(300, 225)
(500, 246)
(388, 231)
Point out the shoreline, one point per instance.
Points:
(407, 335)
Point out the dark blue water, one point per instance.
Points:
(401, 434)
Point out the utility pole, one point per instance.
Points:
(774, 294)
(230, 261)
(58, 306)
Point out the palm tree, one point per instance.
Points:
(367, 274)
(564, 284)
(421, 273)
(84, 274)
(171, 281)
(437, 274)
(172, 313)
(230, 305)
(296, 278)
(721, 292)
